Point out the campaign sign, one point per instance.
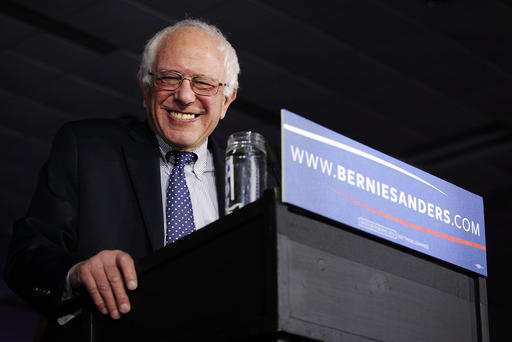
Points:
(339, 178)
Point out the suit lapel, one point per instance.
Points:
(143, 164)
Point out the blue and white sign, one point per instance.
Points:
(339, 178)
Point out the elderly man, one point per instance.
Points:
(104, 196)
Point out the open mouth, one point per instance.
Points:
(181, 116)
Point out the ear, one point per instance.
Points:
(227, 102)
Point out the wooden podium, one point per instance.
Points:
(272, 272)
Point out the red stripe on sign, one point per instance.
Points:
(414, 226)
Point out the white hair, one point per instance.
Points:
(230, 58)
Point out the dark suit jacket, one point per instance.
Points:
(100, 189)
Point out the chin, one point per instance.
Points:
(185, 144)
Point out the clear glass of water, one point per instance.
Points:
(246, 169)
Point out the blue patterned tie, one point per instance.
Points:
(179, 215)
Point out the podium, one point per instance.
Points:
(272, 272)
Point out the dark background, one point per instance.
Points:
(428, 82)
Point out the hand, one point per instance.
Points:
(105, 276)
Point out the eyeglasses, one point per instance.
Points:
(172, 80)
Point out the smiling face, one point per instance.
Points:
(182, 118)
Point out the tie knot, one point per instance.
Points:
(182, 158)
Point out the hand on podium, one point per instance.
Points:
(106, 276)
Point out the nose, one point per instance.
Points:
(184, 94)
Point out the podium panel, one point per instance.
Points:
(270, 272)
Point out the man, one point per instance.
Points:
(101, 198)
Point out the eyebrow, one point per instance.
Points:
(176, 71)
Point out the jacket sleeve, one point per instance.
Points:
(43, 243)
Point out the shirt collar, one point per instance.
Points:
(199, 166)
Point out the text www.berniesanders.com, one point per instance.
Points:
(383, 190)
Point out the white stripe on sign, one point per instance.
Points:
(354, 150)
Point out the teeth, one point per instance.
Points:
(182, 116)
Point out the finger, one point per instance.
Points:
(105, 289)
(127, 266)
(117, 285)
(89, 283)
